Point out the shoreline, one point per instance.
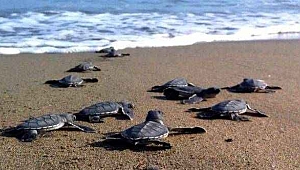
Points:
(263, 143)
(16, 51)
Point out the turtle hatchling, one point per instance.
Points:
(252, 85)
(71, 81)
(231, 109)
(178, 82)
(96, 112)
(31, 128)
(106, 50)
(86, 66)
(152, 131)
(114, 53)
(190, 94)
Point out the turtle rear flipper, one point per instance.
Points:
(236, 117)
(95, 68)
(274, 87)
(128, 112)
(90, 80)
(192, 100)
(29, 136)
(156, 89)
(83, 128)
(187, 130)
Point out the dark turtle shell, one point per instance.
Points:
(84, 66)
(45, 122)
(71, 80)
(253, 83)
(102, 108)
(228, 106)
(176, 82)
(148, 130)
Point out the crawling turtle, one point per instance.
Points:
(96, 112)
(114, 53)
(231, 109)
(71, 81)
(31, 128)
(106, 50)
(178, 82)
(85, 66)
(252, 85)
(152, 131)
(190, 94)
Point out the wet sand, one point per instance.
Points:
(262, 143)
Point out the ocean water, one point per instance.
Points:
(63, 26)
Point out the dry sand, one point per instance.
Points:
(263, 143)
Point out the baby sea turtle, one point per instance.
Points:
(71, 81)
(252, 85)
(31, 128)
(96, 112)
(231, 109)
(106, 50)
(178, 82)
(85, 66)
(152, 131)
(114, 53)
(190, 94)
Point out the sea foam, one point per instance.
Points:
(66, 31)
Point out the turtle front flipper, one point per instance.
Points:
(194, 109)
(237, 117)
(171, 94)
(95, 68)
(208, 115)
(192, 100)
(261, 114)
(96, 119)
(274, 87)
(113, 136)
(187, 130)
(125, 54)
(29, 135)
(128, 112)
(82, 128)
(265, 91)
(90, 80)
(165, 145)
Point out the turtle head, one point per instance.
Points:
(68, 117)
(155, 115)
(211, 92)
(127, 104)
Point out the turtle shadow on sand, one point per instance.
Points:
(6, 132)
(121, 145)
(161, 98)
(202, 115)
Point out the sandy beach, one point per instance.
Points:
(262, 143)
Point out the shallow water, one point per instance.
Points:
(62, 26)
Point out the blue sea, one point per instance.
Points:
(64, 26)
